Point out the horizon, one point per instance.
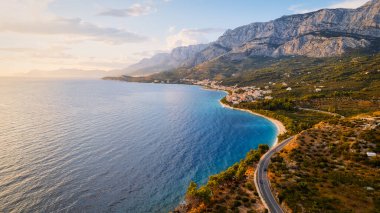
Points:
(56, 35)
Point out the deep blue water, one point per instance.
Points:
(107, 146)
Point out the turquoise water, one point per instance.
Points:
(107, 146)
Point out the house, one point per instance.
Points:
(371, 154)
(289, 89)
(318, 89)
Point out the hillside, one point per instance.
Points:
(232, 189)
(326, 168)
(357, 73)
(323, 169)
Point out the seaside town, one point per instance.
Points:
(236, 94)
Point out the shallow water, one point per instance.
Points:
(107, 146)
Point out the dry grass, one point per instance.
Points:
(325, 169)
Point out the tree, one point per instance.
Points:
(204, 194)
(263, 148)
(195, 196)
(192, 189)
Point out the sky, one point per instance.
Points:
(54, 35)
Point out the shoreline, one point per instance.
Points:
(279, 125)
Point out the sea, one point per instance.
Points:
(110, 146)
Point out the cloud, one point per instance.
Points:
(22, 59)
(299, 9)
(187, 37)
(148, 53)
(52, 52)
(33, 17)
(171, 29)
(350, 4)
(134, 10)
(64, 26)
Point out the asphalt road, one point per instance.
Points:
(261, 178)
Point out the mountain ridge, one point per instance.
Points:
(166, 61)
(322, 33)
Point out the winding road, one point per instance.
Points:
(261, 178)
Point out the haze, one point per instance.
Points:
(70, 38)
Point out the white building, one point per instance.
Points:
(371, 154)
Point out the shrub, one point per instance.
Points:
(263, 148)
(245, 199)
(249, 186)
(237, 203)
(202, 194)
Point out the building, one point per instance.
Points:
(371, 154)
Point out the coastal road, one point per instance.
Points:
(320, 111)
(261, 178)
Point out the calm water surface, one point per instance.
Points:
(107, 146)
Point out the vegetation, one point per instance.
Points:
(284, 110)
(326, 169)
(229, 191)
(346, 85)
(352, 74)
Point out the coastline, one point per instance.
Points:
(184, 206)
(279, 125)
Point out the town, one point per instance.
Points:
(236, 95)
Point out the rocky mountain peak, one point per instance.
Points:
(323, 33)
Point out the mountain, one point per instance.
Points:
(178, 57)
(323, 33)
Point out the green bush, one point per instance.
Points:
(202, 194)
(249, 186)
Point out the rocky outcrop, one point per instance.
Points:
(316, 46)
(338, 31)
